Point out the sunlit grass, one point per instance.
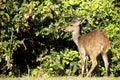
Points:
(62, 78)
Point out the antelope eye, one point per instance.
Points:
(71, 25)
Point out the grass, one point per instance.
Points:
(62, 78)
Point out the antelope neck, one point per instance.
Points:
(75, 36)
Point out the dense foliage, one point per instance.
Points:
(32, 40)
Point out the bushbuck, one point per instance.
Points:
(90, 44)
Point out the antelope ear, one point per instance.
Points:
(75, 18)
(82, 20)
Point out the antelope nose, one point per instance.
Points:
(65, 30)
